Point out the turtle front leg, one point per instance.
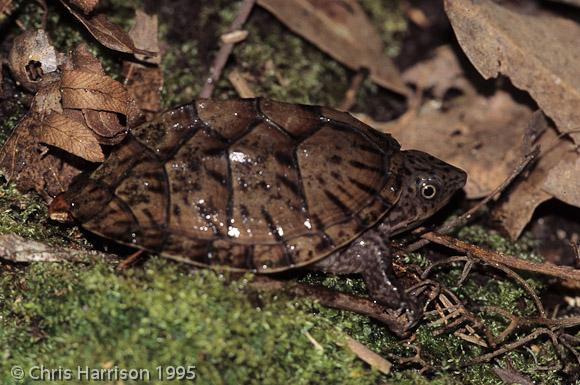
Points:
(370, 256)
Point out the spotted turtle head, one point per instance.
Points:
(427, 184)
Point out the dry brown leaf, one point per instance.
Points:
(106, 125)
(517, 210)
(540, 53)
(342, 30)
(441, 72)
(47, 99)
(86, 6)
(31, 166)
(145, 36)
(144, 85)
(33, 59)
(563, 181)
(74, 137)
(108, 34)
(481, 135)
(145, 82)
(93, 91)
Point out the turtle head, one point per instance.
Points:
(427, 184)
(84, 199)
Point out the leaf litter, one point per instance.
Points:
(77, 106)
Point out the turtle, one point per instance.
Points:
(263, 186)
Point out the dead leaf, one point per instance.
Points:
(32, 59)
(145, 81)
(145, 36)
(439, 73)
(47, 99)
(481, 135)
(342, 30)
(31, 166)
(108, 34)
(93, 91)
(563, 181)
(144, 85)
(107, 125)
(516, 211)
(70, 135)
(538, 52)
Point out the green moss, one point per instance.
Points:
(26, 215)
(390, 22)
(67, 315)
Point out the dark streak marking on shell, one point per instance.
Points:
(371, 149)
(338, 203)
(344, 191)
(363, 187)
(271, 225)
(245, 213)
(293, 186)
(284, 158)
(335, 159)
(206, 213)
(217, 176)
(362, 166)
(336, 175)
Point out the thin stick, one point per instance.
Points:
(334, 299)
(350, 95)
(494, 258)
(225, 50)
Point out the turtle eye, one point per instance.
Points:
(428, 191)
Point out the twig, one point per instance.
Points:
(368, 356)
(336, 300)
(509, 347)
(17, 249)
(494, 258)
(350, 95)
(225, 50)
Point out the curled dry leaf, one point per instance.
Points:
(481, 135)
(32, 58)
(342, 30)
(539, 52)
(108, 34)
(106, 125)
(65, 133)
(29, 164)
(558, 156)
